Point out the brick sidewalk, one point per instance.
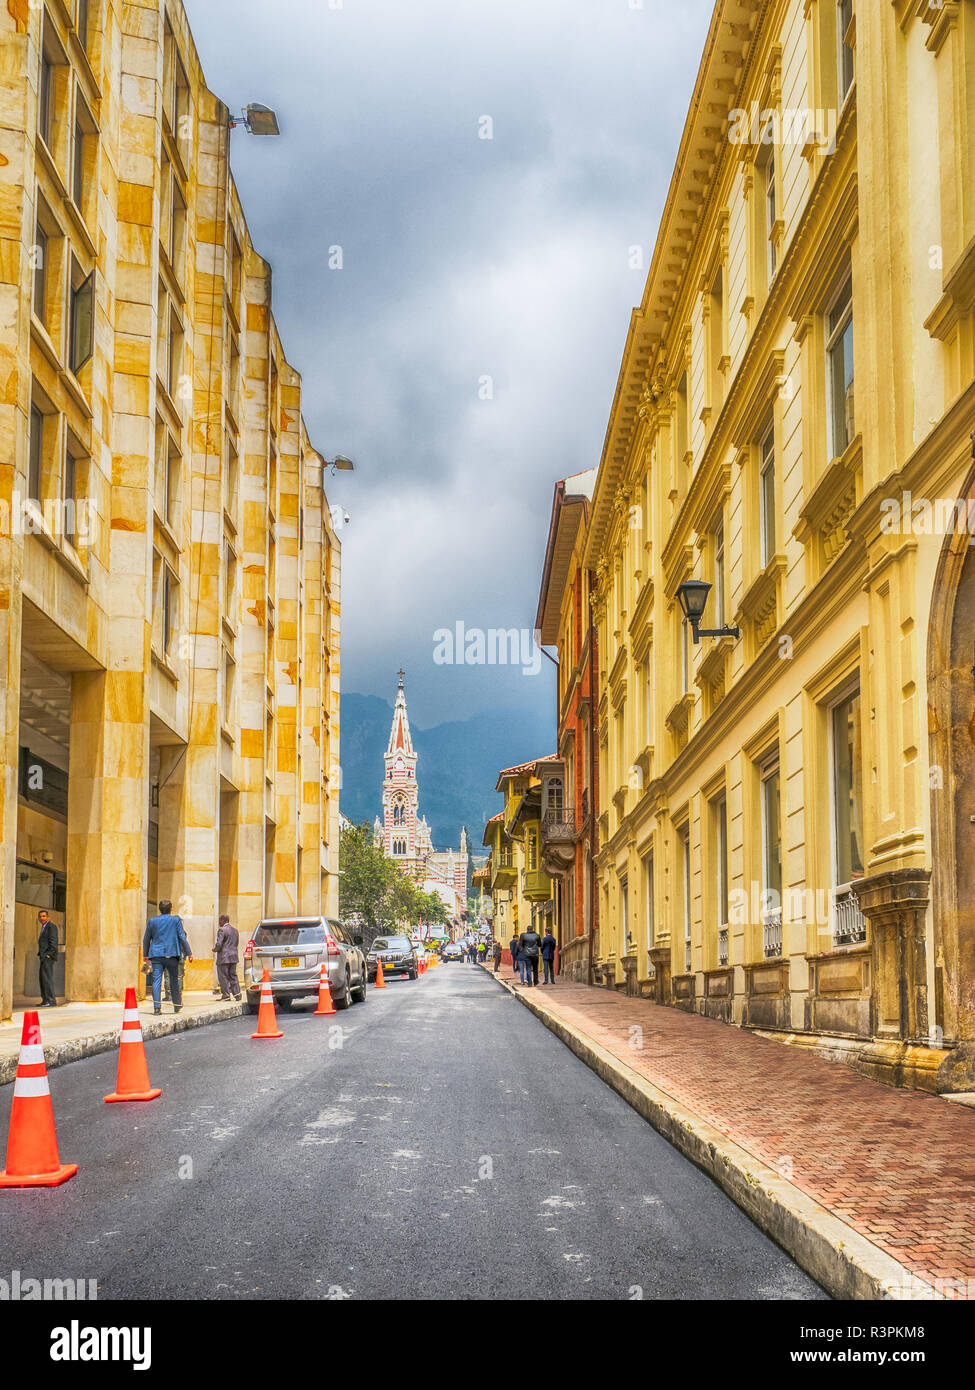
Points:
(898, 1166)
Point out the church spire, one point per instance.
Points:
(399, 735)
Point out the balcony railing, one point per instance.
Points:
(722, 945)
(848, 922)
(687, 957)
(559, 826)
(772, 934)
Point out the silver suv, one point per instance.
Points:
(293, 950)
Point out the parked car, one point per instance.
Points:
(453, 951)
(397, 953)
(293, 950)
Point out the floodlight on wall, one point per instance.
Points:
(257, 120)
(340, 464)
(692, 596)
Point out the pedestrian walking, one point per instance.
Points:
(225, 950)
(482, 952)
(548, 948)
(48, 944)
(497, 956)
(513, 948)
(529, 945)
(163, 947)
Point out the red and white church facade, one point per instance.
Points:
(404, 834)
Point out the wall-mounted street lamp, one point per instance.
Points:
(256, 120)
(692, 596)
(340, 464)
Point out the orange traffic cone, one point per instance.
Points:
(325, 1005)
(380, 980)
(32, 1145)
(133, 1070)
(267, 1019)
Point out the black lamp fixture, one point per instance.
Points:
(692, 596)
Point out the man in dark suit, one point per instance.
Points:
(225, 954)
(48, 944)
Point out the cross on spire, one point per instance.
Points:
(401, 673)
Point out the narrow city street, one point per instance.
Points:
(450, 1147)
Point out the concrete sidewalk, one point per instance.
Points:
(870, 1189)
(81, 1030)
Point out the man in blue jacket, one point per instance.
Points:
(162, 946)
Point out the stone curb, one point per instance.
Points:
(58, 1054)
(844, 1262)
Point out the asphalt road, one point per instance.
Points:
(435, 1142)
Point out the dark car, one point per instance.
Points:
(453, 951)
(398, 955)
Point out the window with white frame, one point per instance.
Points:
(648, 898)
(766, 495)
(771, 861)
(718, 561)
(845, 62)
(719, 825)
(839, 371)
(684, 838)
(846, 804)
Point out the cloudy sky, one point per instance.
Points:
(466, 352)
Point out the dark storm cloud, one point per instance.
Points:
(464, 258)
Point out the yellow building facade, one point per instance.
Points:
(169, 574)
(786, 809)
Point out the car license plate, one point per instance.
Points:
(290, 960)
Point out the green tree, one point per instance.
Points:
(368, 882)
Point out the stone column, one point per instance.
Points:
(108, 815)
(895, 904)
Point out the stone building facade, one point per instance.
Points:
(786, 810)
(569, 839)
(169, 575)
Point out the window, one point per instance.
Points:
(771, 864)
(78, 166)
(716, 339)
(168, 604)
(766, 496)
(685, 658)
(771, 215)
(839, 371)
(685, 854)
(72, 477)
(174, 359)
(177, 231)
(81, 23)
(173, 464)
(41, 242)
(229, 581)
(45, 109)
(719, 819)
(531, 850)
(847, 813)
(229, 685)
(554, 799)
(232, 481)
(625, 915)
(648, 897)
(35, 462)
(717, 545)
(82, 334)
(681, 433)
(845, 63)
